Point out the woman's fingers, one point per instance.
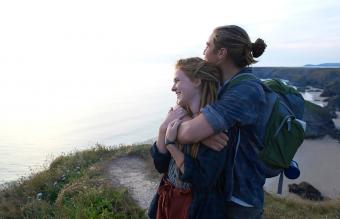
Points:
(171, 132)
(173, 123)
(179, 109)
(177, 113)
(176, 123)
(170, 125)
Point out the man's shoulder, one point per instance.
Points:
(251, 87)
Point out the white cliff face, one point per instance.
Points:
(313, 95)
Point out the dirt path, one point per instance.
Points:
(131, 172)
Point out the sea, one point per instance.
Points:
(42, 118)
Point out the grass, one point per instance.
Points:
(294, 208)
(317, 110)
(75, 186)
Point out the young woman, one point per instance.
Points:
(192, 183)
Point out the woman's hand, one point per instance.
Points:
(177, 112)
(171, 131)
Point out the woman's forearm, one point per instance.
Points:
(161, 141)
(177, 155)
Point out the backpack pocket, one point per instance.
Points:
(283, 136)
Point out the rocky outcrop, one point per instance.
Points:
(306, 191)
(301, 77)
(334, 103)
(319, 121)
(331, 89)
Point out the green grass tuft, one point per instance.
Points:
(73, 186)
(288, 208)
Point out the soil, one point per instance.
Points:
(132, 172)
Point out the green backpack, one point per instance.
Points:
(284, 128)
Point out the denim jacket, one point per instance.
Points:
(243, 107)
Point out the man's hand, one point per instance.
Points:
(216, 142)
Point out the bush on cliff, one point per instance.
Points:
(72, 187)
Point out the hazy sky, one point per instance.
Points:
(61, 34)
(56, 55)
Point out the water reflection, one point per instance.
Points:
(109, 109)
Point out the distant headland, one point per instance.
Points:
(324, 65)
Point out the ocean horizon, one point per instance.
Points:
(132, 116)
(111, 111)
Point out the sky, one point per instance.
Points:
(55, 56)
(60, 34)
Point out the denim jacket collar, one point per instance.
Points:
(243, 70)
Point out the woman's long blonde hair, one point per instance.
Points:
(211, 78)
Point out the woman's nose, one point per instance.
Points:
(173, 88)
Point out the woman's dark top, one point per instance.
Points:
(203, 174)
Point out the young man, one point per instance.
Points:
(240, 111)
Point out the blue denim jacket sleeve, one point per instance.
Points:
(160, 160)
(204, 171)
(238, 104)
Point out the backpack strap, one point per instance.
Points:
(280, 183)
(237, 79)
(237, 145)
(240, 77)
(236, 148)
